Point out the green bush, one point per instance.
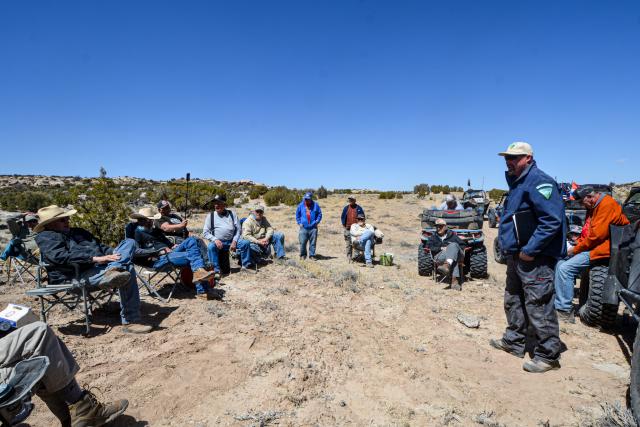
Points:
(496, 193)
(256, 191)
(282, 194)
(322, 192)
(421, 190)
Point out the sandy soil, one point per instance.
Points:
(331, 343)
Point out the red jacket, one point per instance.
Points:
(607, 212)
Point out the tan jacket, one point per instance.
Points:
(254, 231)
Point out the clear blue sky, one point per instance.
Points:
(302, 93)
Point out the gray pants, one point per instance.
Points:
(37, 339)
(528, 301)
(451, 251)
(347, 242)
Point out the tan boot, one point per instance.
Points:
(88, 412)
(136, 328)
(201, 274)
(204, 296)
(113, 279)
(455, 284)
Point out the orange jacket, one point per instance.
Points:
(607, 212)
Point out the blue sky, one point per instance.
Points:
(302, 93)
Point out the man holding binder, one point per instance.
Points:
(533, 237)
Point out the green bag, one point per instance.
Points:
(386, 259)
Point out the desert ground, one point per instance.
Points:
(324, 343)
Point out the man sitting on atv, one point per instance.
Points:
(447, 250)
(593, 245)
(451, 204)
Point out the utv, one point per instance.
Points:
(476, 199)
(494, 216)
(631, 206)
(467, 224)
(618, 281)
(575, 212)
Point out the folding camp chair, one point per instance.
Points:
(153, 279)
(20, 265)
(71, 294)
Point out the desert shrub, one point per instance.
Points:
(421, 190)
(282, 194)
(256, 191)
(341, 191)
(496, 193)
(399, 195)
(322, 192)
(390, 195)
(103, 211)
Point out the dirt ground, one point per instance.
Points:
(331, 343)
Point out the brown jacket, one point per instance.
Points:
(607, 212)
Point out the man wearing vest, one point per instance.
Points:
(349, 217)
(222, 229)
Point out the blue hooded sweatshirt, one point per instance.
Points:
(301, 215)
(537, 192)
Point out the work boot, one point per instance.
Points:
(113, 279)
(444, 269)
(88, 412)
(248, 270)
(200, 275)
(501, 345)
(538, 366)
(203, 296)
(369, 265)
(566, 316)
(136, 328)
(455, 284)
(313, 258)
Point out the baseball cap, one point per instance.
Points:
(259, 208)
(30, 217)
(219, 198)
(518, 148)
(441, 221)
(163, 203)
(308, 196)
(351, 198)
(360, 216)
(449, 198)
(583, 191)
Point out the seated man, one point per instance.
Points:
(222, 229)
(23, 244)
(451, 204)
(447, 250)
(104, 267)
(363, 238)
(593, 245)
(161, 251)
(171, 223)
(58, 388)
(257, 238)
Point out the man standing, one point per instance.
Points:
(349, 217)
(602, 211)
(533, 237)
(308, 216)
(103, 266)
(223, 230)
(257, 238)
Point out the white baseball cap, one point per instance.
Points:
(518, 148)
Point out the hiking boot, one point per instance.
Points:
(113, 279)
(302, 258)
(538, 366)
(136, 328)
(217, 275)
(501, 345)
(200, 275)
(566, 316)
(444, 269)
(248, 270)
(456, 286)
(203, 296)
(313, 258)
(369, 265)
(88, 412)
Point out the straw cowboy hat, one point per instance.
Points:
(145, 213)
(51, 213)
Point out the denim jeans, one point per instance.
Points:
(249, 252)
(214, 253)
(310, 236)
(366, 241)
(129, 294)
(185, 254)
(451, 251)
(565, 279)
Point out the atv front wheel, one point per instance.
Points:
(478, 263)
(425, 261)
(634, 387)
(497, 252)
(595, 311)
(491, 217)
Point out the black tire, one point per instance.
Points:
(491, 217)
(425, 262)
(634, 386)
(497, 252)
(478, 263)
(595, 312)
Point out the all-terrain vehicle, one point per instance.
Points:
(494, 215)
(631, 206)
(476, 199)
(575, 212)
(467, 224)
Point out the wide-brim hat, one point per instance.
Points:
(51, 213)
(145, 213)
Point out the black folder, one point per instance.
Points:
(524, 225)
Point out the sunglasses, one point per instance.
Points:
(511, 157)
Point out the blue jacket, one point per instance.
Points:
(359, 211)
(535, 191)
(301, 215)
